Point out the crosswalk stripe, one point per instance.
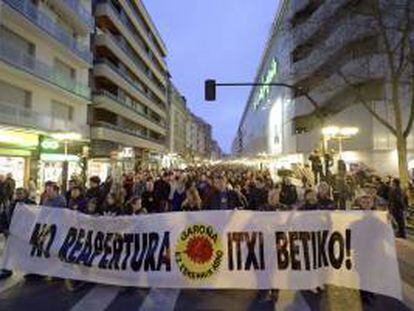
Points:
(97, 299)
(15, 279)
(160, 299)
(292, 301)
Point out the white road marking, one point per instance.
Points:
(291, 301)
(97, 299)
(15, 279)
(160, 299)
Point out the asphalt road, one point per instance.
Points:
(17, 293)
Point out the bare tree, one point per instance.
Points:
(393, 21)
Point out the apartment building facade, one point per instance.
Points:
(178, 116)
(129, 115)
(313, 45)
(45, 59)
(199, 138)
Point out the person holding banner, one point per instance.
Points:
(134, 207)
(162, 189)
(273, 200)
(52, 196)
(192, 201)
(224, 198)
(77, 200)
(398, 206)
(21, 196)
(148, 196)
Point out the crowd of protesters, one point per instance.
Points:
(216, 187)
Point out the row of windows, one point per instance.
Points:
(28, 48)
(124, 17)
(108, 117)
(111, 30)
(21, 100)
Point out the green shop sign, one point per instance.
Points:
(49, 144)
(264, 90)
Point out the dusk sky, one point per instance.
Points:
(221, 39)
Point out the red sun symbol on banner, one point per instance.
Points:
(199, 249)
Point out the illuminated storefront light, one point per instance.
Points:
(20, 139)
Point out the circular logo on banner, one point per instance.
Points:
(198, 252)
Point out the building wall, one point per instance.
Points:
(130, 71)
(311, 42)
(44, 54)
(177, 127)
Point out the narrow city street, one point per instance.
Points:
(206, 155)
(17, 294)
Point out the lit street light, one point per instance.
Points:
(338, 133)
(66, 137)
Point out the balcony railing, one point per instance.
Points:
(76, 6)
(141, 23)
(124, 20)
(127, 104)
(17, 116)
(128, 131)
(123, 46)
(127, 78)
(40, 19)
(26, 62)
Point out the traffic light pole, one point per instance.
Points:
(210, 94)
(210, 91)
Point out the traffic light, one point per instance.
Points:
(210, 90)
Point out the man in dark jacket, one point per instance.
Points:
(397, 205)
(316, 164)
(98, 191)
(288, 193)
(224, 198)
(9, 187)
(162, 189)
(148, 197)
(21, 197)
(77, 200)
(257, 195)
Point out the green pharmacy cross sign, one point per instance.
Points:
(264, 89)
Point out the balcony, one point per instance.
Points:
(123, 53)
(107, 100)
(325, 12)
(156, 34)
(45, 23)
(366, 71)
(106, 8)
(107, 69)
(76, 14)
(28, 118)
(14, 56)
(348, 31)
(110, 132)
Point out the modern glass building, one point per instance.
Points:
(332, 51)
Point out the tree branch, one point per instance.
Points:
(367, 106)
(383, 33)
(313, 102)
(404, 39)
(411, 117)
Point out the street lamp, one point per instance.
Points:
(339, 133)
(66, 137)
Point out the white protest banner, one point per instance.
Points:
(209, 249)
